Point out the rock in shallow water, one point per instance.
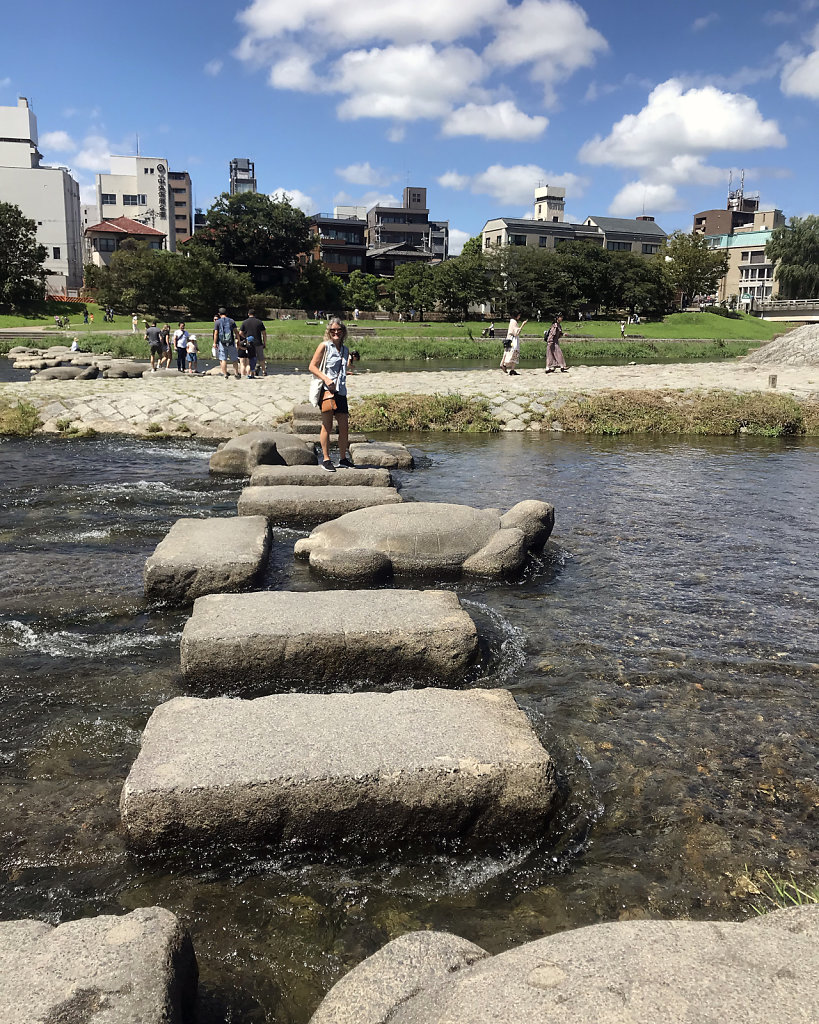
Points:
(765, 971)
(367, 768)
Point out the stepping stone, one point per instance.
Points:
(388, 454)
(425, 766)
(309, 505)
(241, 455)
(124, 368)
(137, 968)
(326, 637)
(427, 538)
(299, 476)
(207, 556)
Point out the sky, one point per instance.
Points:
(634, 107)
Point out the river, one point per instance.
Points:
(665, 646)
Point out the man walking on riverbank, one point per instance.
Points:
(153, 336)
(224, 338)
(256, 334)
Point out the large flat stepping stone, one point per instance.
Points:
(308, 505)
(622, 972)
(240, 455)
(207, 556)
(326, 637)
(315, 476)
(427, 538)
(370, 768)
(135, 969)
(389, 454)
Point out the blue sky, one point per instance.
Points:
(632, 105)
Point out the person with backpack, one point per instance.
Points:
(180, 341)
(224, 335)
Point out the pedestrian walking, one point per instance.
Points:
(192, 353)
(85, 316)
(153, 336)
(491, 333)
(622, 328)
(330, 364)
(355, 313)
(165, 338)
(511, 347)
(224, 338)
(256, 332)
(134, 322)
(180, 341)
(554, 353)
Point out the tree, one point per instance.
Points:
(795, 250)
(253, 232)
(317, 288)
(693, 268)
(414, 287)
(208, 284)
(461, 281)
(22, 275)
(473, 246)
(363, 291)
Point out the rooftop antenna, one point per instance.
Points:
(137, 142)
(644, 202)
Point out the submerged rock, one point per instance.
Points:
(242, 454)
(765, 971)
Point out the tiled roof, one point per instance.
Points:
(125, 226)
(631, 227)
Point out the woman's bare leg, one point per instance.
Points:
(326, 430)
(343, 420)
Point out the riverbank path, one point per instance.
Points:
(210, 406)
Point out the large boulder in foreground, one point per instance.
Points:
(763, 971)
(135, 969)
(241, 455)
(425, 537)
(421, 766)
(207, 556)
(328, 637)
(316, 476)
(124, 368)
(80, 372)
(307, 505)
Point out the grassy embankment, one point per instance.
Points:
(18, 420)
(716, 413)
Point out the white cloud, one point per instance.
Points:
(800, 76)
(298, 199)
(88, 194)
(213, 67)
(94, 153)
(405, 82)
(499, 121)
(295, 72)
(552, 35)
(368, 199)
(397, 133)
(698, 24)
(457, 238)
(454, 180)
(407, 21)
(512, 185)
(59, 141)
(674, 122)
(637, 196)
(363, 174)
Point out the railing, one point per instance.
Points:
(786, 303)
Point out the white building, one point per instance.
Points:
(47, 195)
(137, 188)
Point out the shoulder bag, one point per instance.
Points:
(316, 384)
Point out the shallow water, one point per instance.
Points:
(665, 647)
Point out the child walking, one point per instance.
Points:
(192, 353)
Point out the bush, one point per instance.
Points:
(20, 420)
(730, 314)
(423, 412)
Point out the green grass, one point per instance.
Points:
(778, 893)
(423, 412)
(20, 420)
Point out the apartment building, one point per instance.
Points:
(137, 188)
(242, 176)
(340, 241)
(181, 202)
(49, 196)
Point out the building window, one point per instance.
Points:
(105, 244)
(139, 200)
(618, 246)
(109, 198)
(745, 256)
(757, 257)
(55, 252)
(517, 239)
(543, 241)
(153, 244)
(145, 170)
(180, 203)
(649, 250)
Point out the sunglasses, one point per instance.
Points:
(335, 330)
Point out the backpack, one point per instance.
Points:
(225, 330)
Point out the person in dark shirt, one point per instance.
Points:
(153, 336)
(254, 331)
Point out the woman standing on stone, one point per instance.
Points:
(330, 363)
(511, 347)
(554, 353)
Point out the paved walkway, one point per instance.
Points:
(213, 407)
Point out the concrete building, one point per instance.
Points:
(407, 224)
(137, 188)
(438, 239)
(242, 176)
(47, 195)
(181, 202)
(547, 229)
(103, 239)
(340, 243)
(750, 274)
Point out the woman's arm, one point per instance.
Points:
(315, 366)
